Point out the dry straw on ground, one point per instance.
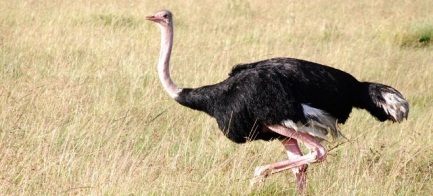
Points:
(82, 110)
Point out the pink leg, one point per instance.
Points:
(317, 153)
(293, 152)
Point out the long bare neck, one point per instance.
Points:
(164, 62)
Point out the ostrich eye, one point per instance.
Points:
(165, 15)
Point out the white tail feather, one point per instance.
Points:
(394, 105)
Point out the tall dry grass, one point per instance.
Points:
(82, 110)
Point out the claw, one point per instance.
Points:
(260, 173)
(264, 171)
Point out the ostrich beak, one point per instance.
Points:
(152, 18)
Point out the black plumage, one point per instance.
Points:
(271, 91)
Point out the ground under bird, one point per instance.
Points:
(291, 100)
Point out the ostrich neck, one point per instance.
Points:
(164, 62)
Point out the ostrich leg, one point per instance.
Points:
(317, 154)
(293, 152)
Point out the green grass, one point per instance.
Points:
(82, 110)
(416, 36)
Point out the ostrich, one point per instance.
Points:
(291, 100)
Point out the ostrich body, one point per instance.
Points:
(292, 100)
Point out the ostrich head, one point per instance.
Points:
(163, 18)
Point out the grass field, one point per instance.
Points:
(82, 110)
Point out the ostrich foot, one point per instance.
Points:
(260, 173)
